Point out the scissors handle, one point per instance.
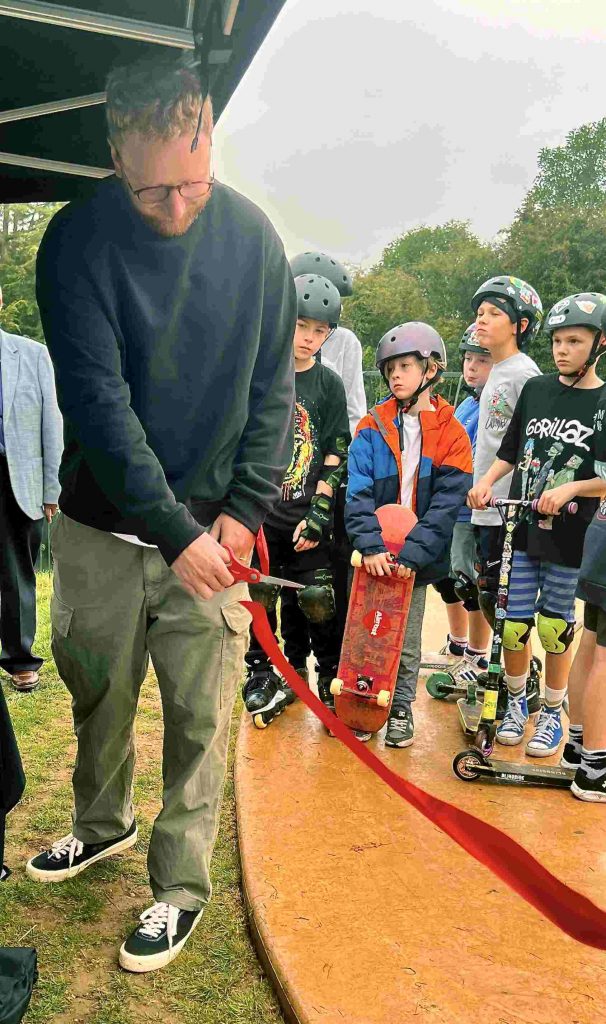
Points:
(240, 572)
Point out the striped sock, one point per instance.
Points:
(554, 698)
(575, 738)
(516, 684)
(594, 763)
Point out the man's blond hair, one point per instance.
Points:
(156, 98)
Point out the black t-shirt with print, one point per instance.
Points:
(321, 429)
(550, 441)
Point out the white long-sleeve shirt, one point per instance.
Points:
(343, 354)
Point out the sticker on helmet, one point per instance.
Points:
(553, 320)
(511, 290)
(526, 295)
(560, 306)
(586, 307)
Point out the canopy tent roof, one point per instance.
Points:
(55, 58)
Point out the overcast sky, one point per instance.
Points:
(354, 124)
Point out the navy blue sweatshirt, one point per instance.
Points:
(173, 362)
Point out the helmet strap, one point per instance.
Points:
(591, 359)
(406, 405)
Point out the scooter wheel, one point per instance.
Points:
(259, 722)
(465, 765)
(439, 685)
(383, 698)
(336, 687)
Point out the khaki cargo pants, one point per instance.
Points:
(114, 606)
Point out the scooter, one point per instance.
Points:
(482, 727)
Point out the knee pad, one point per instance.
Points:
(516, 633)
(266, 594)
(466, 590)
(446, 588)
(317, 602)
(555, 633)
(487, 598)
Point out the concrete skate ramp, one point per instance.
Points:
(365, 913)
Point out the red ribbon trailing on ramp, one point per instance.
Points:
(569, 910)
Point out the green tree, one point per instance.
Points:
(572, 175)
(21, 229)
(560, 251)
(449, 262)
(381, 299)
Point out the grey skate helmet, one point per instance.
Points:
(518, 299)
(320, 263)
(585, 309)
(471, 343)
(412, 338)
(318, 299)
(415, 339)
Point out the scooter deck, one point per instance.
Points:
(470, 766)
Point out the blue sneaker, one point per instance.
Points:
(511, 730)
(548, 734)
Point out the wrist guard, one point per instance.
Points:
(318, 518)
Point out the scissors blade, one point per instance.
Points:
(281, 583)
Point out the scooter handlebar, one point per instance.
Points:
(570, 509)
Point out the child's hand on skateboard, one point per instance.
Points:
(301, 543)
(383, 564)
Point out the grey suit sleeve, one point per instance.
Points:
(52, 430)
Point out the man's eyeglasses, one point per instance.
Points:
(159, 193)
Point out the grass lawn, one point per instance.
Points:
(78, 926)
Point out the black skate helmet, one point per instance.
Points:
(471, 343)
(518, 299)
(318, 299)
(320, 263)
(585, 309)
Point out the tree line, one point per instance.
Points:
(557, 241)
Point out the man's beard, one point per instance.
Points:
(167, 227)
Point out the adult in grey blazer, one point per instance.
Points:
(31, 443)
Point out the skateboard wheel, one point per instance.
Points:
(356, 560)
(336, 687)
(383, 698)
(259, 722)
(439, 685)
(466, 764)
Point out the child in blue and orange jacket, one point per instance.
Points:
(410, 450)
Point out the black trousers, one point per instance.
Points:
(309, 568)
(293, 624)
(20, 539)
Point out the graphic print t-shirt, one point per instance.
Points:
(497, 402)
(321, 429)
(550, 441)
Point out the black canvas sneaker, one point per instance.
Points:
(68, 856)
(159, 938)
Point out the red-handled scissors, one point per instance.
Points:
(245, 574)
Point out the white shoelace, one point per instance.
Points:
(158, 918)
(70, 845)
(548, 723)
(514, 716)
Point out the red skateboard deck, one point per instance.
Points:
(374, 632)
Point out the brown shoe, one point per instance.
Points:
(25, 682)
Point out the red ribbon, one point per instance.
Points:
(569, 910)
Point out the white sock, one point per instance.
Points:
(516, 685)
(554, 698)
